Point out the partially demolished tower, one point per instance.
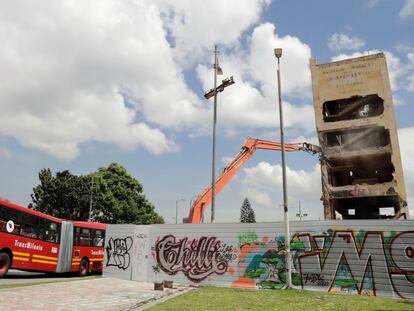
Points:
(360, 163)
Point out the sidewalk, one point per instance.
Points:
(96, 294)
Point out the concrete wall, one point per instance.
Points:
(359, 257)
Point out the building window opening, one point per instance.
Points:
(373, 169)
(355, 107)
(375, 207)
(357, 139)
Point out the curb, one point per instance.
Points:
(143, 305)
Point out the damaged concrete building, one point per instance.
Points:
(360, 163)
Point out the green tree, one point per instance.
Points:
(63, 195)
(246, 212)
(116, 197)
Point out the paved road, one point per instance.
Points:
(18, 277)
(90, 294)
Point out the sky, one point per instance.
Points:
(87, 83)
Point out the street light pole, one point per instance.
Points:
(90, 201)
(300, 214)
(278, 54)
(213, 92)
(213, 164)
(176, 210)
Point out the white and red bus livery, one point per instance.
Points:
(33, 241)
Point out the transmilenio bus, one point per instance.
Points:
(33, 241)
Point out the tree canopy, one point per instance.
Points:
(114, 195)
(247, 213)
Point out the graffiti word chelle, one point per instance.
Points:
(197, 258)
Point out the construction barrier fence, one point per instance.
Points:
(366, 257)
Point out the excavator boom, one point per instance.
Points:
(248, 149)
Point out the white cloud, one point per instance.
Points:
(410, 78)
(250, 103)
(63, 66)
(259, 197)
(5, 153)
(295, 71)
(410, 85)
(226, 160)
(371, 3)
(196, 26)
(408, 9)
(341, 41)
(404, 47)
(264, 180)
(104, 71)
(405, 136)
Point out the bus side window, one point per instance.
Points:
(52, 232)
(7, 214)
(85, 237)
(98, 238)
(76, 236)
(28, 226)
(3, 220)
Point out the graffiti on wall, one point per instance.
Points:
(262, 262)
(140, 254)
(117, 252)
(353, 261)
(196, 258)
(362, 262)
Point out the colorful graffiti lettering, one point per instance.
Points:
(314, 279)
(263, 264)
(197, 258)
(359, 261)
(247, 237)
(362, 262)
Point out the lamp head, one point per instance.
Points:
(278, 53)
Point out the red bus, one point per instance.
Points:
(33, 241)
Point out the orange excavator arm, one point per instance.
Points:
(249, 147)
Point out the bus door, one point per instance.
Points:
(66, 246)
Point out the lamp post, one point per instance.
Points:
(209, 94)
(176, 210)
(301, 214)
(90, 201)
(278, 55)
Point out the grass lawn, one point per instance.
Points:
(213, 298)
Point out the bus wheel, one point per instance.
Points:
(84, 267)
(4, 264)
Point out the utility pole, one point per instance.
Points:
(213, 92)
(300, 214)
(176, 209)
(90, 201)
(213, 164)
(278, 55)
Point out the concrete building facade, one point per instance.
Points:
(360, 164)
